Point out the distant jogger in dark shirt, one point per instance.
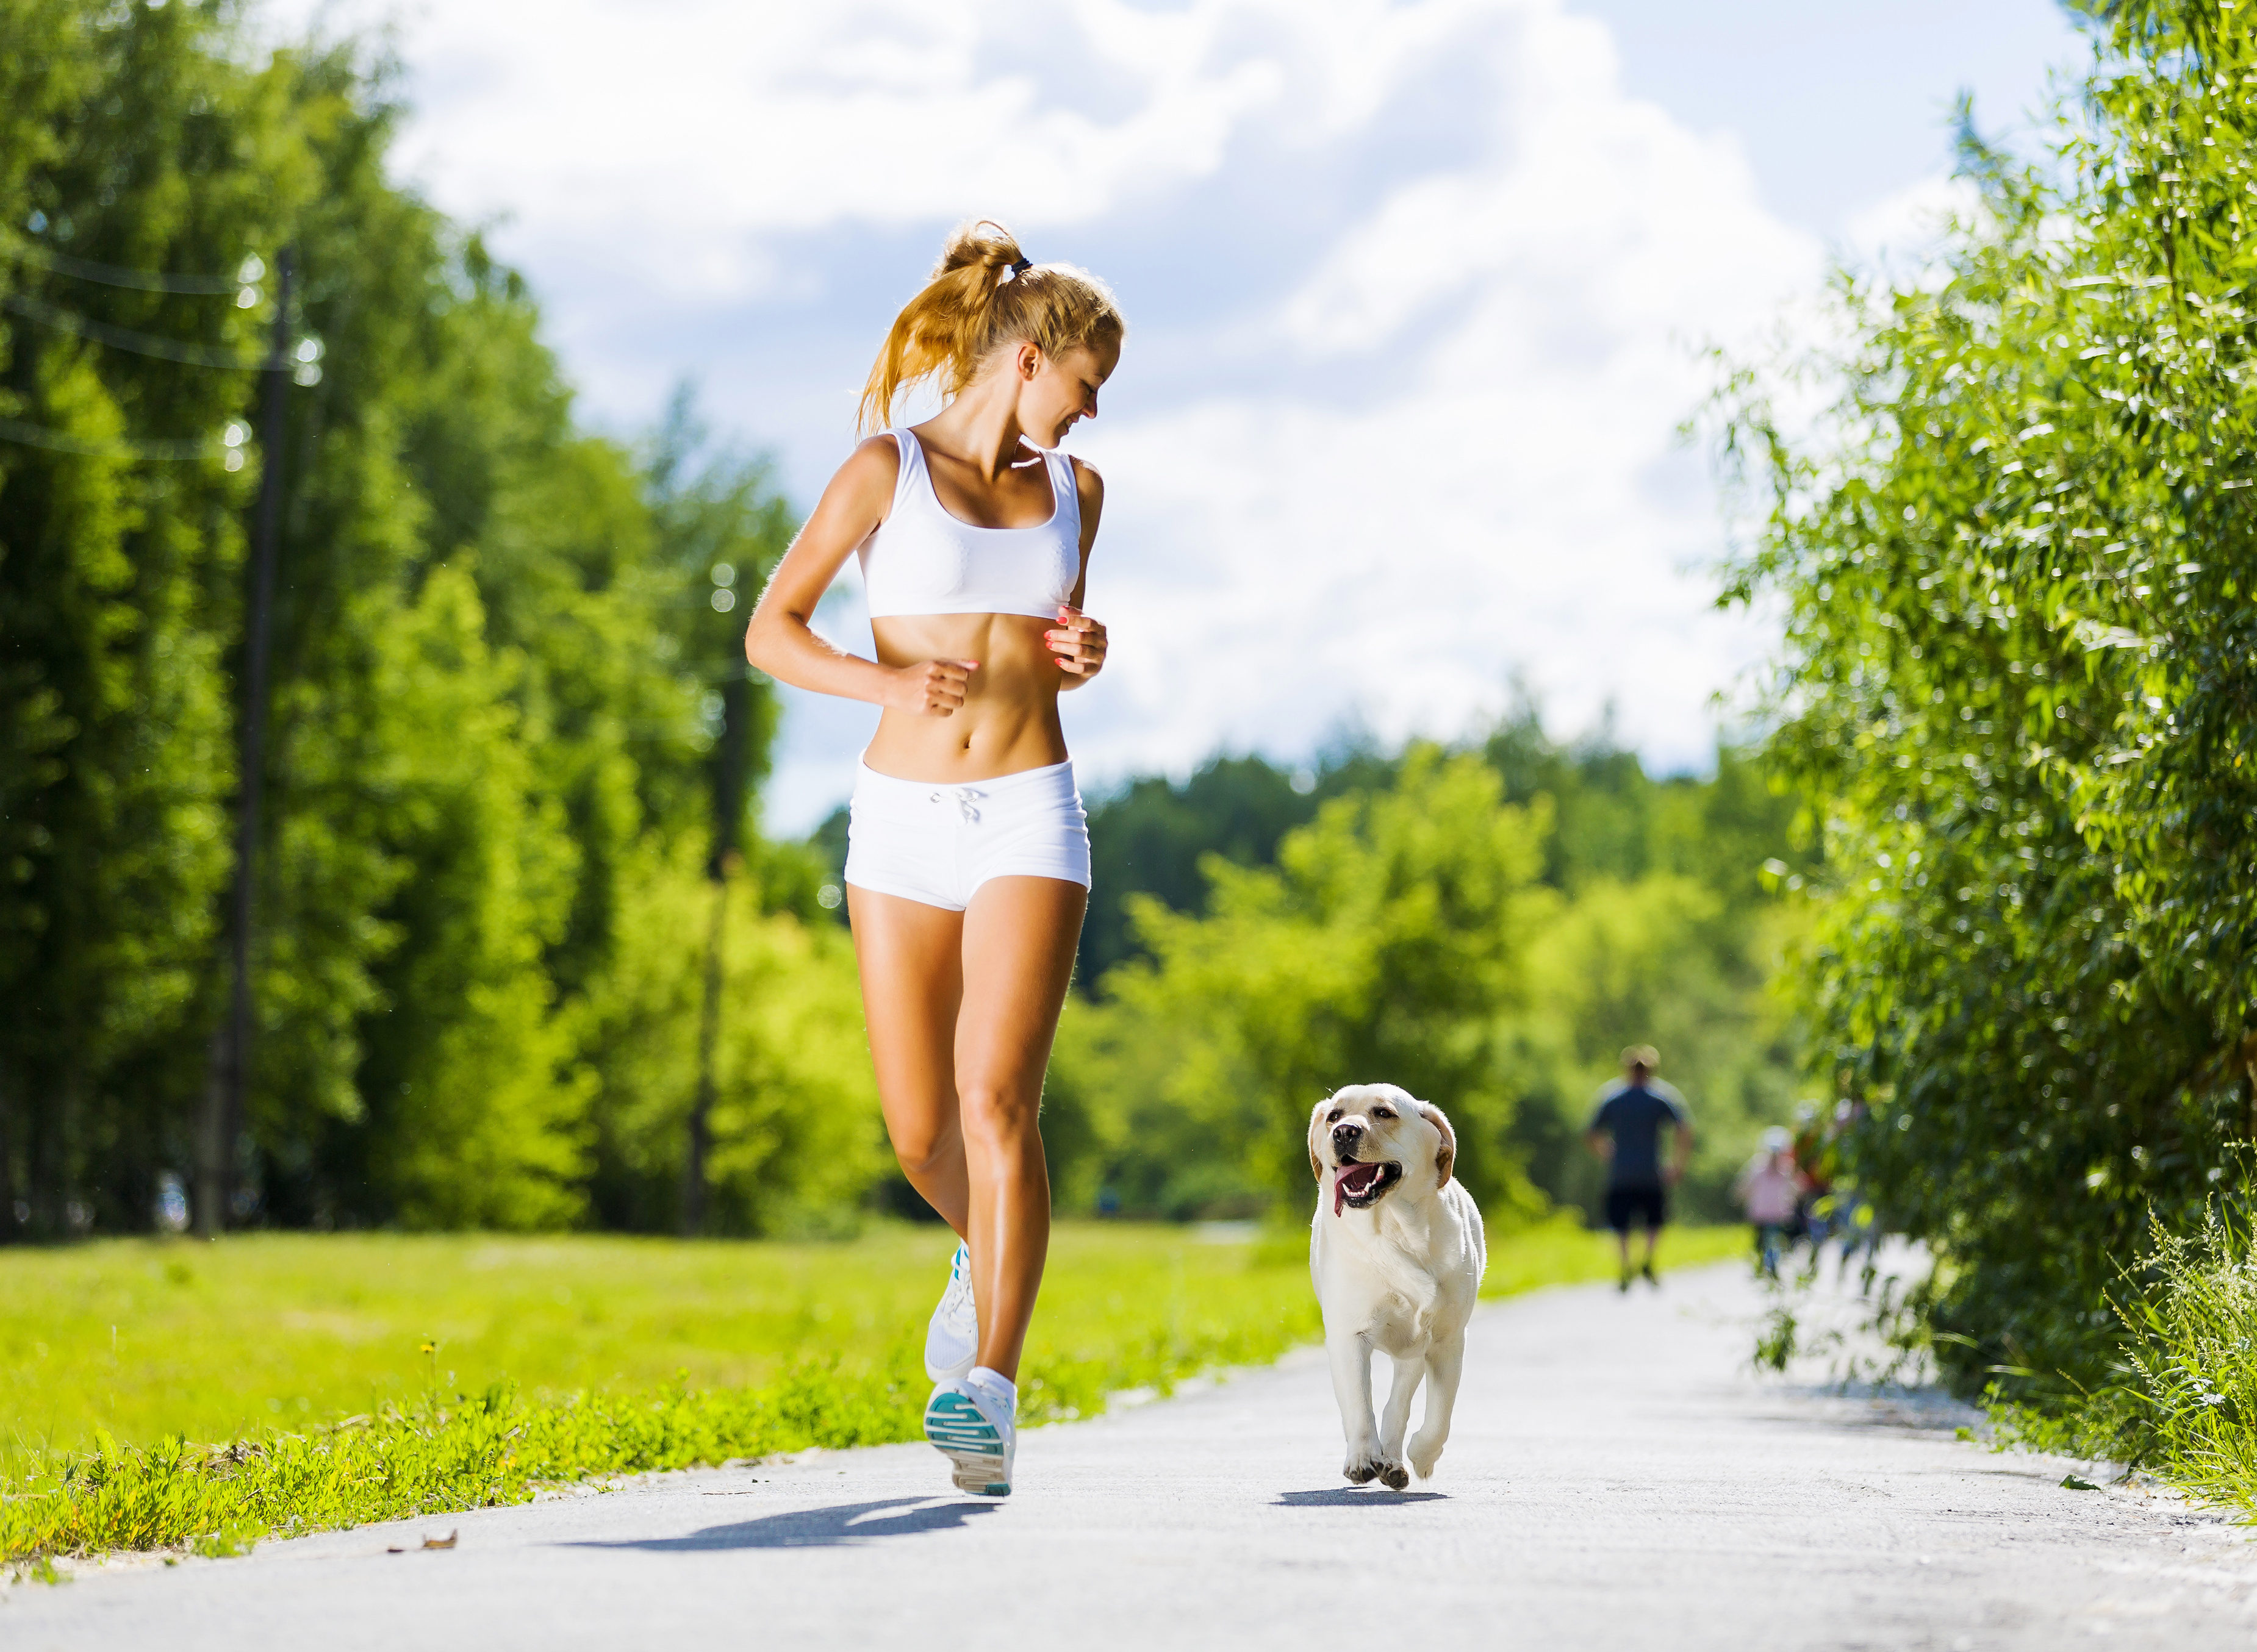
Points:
(1625, 1131)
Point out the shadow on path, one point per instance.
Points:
(1348, 1497)
(845, 1525)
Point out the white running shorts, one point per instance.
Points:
(938, 843)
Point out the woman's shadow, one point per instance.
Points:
(843, 1524)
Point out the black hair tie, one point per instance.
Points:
(1021, 266)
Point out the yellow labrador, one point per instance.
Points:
(1397, 1254)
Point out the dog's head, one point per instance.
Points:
(1372, 1136)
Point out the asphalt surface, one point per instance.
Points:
(1617, 1478)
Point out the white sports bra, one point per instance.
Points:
(922, 560)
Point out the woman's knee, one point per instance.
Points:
(925, 1149)
(1000, 1112)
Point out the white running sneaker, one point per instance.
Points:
(952, 1341)
(977, 1432)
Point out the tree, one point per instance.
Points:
(1390, 931)
(2022, 663)
(496, 641)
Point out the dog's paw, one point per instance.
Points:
(1364, 1469)
(1424, 1459)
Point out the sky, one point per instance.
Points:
(1417, 297)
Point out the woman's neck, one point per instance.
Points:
(980, 427)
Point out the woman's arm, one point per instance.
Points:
(1079, 641)
(781, 639)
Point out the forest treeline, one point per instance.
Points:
(519, 957)
(502, 861)
(1488, 925)
(2017, 563)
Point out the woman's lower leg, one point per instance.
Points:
(1009, 1230)
(1019, 940)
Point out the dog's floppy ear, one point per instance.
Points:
(1316, 1165)
(1446, 1156)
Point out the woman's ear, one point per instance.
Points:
(1446, 1155)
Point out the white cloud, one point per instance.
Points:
(1416, 292)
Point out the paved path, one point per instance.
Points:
(1616, 1480)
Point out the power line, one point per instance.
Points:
(167, 452)
(140, 280)
(126, 338)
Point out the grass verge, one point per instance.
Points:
(547, 1348)
(2185, 1408)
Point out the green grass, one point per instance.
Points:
(2184, 1406)
(342, 1379)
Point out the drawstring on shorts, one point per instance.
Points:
(967, 799)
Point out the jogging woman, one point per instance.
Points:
(968, 861)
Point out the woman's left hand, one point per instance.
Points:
(1078, 642)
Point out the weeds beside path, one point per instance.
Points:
(476, 1369)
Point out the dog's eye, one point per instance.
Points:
(1332, 1118)
(1381, 1112)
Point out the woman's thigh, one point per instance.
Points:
(911, 957)
(1020, 934)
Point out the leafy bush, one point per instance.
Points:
(2182, 1401)
(2015, 563)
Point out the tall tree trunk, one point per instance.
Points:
(12, 1226)
(728, 775)
(231, 1054)
(701, 1107)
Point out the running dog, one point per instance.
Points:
(1397, 1254)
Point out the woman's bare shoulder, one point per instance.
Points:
(864, 485)
(875, 459)
(1088, 484)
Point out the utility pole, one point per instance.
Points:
(728, 808)
(231, 1052)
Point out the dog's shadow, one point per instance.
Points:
(843, 1524)
(1355, 1497)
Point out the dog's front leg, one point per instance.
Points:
(1350, 1355)
(1408, 1369)
(1446, 1362)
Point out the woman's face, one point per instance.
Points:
(1056, 393)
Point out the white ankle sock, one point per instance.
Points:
(997, 1387)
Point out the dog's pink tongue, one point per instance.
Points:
(1352, 1178)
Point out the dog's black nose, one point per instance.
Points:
(1343, 1134)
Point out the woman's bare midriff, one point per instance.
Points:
(1009, 719)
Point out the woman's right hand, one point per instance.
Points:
(933, 688)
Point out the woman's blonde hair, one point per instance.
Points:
(984, 295)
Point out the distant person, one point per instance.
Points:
(968, 857)
(1770, 1188)
(1625, 1132)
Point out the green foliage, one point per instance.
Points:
(1150, 838)
(1423, 928)
(2022, 666)
(115, 593)
(1388, 930)
(795, 1107)
(510, 706)
(2182, 1401)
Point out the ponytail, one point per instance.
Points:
(984, 295)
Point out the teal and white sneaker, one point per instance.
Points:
(952, 1341)
(977, 1432)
